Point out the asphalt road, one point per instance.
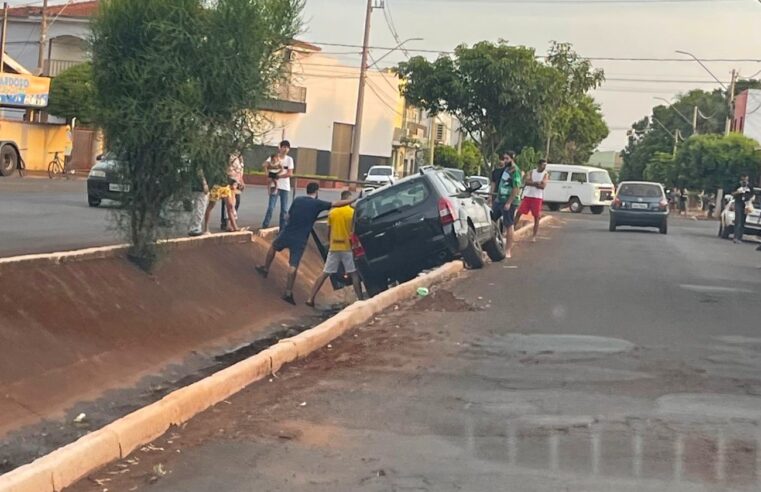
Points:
(593, 361)
(38, 215)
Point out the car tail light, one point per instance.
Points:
(616, 203)
(447, 213)
(356, 246)
(663, 204)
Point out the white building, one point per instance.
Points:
(315, 111)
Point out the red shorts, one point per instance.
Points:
(531, 205)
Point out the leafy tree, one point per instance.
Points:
(72, 94)
(446, 156)
(471, 158)
(571, 109)
(527, 159)
(709, 162)
(495, 90)
(662, 169)
(175, 82)
(579, 128)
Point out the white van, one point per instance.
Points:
(578, 187)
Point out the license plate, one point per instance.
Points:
(121, 188)
(640, 205)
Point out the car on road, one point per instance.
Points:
(752, 216)
(380, 175)
(578, 187)
(421, 222)
(640, 204)
(105, 181)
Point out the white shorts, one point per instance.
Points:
(336, 258)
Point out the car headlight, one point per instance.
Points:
(97, 173)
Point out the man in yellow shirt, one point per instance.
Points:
(340, 225)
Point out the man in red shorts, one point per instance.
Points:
(533, 195)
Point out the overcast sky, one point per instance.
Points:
(726, 29)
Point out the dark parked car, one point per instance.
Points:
(105, 181)
(640, 204)
(421, 222)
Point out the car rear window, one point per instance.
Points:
(399, 197)
(640, 190)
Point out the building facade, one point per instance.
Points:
(747, 117)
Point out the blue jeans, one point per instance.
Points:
(283, 194)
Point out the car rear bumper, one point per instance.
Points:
(639, 218)
(395, 265)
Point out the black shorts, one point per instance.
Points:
(273, 175)
(295, 249)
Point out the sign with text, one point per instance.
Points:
(24, 91)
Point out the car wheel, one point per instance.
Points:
(664, 229)
(575, 205)
(93, 201)
(472, 253)
(375, 286)
(597, 209)
(612, 225)
(495, 247)
(554, 207)
(8, 160)
(726, 231)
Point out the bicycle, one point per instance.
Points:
(57, 167)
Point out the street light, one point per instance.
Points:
(730, 90)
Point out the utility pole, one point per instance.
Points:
(43, 38)
(3, 37)
(731, 103)
(695, 121)
(357, 137)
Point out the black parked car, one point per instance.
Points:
(421, 222)
(105, 181)
(640, 204)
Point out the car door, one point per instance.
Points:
(468, 203)
(556, 190)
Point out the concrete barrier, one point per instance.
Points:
(65, 466)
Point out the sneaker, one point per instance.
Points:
(289, 299)
(195, 233)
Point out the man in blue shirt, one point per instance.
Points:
(302, 215)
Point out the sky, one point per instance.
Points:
(718, 29)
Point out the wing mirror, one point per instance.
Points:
(474, 186)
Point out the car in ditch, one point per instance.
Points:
(421, 222)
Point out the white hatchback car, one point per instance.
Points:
(752, 217)
(380, 175)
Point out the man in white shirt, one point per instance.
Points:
(283, 187)
(533, 195)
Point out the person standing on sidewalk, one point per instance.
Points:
(340, 228)
(235, 173)
(294, 235)
(200, 197)
(507, 200)
(742, 196)
(283, 187)
(533, 196)
(496, 175)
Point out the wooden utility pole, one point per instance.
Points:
(43, 38)
(695, 121)
(731, 103)
(3, 37)
(357, 137)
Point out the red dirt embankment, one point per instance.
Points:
(70, 331)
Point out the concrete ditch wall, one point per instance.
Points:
(73, 325)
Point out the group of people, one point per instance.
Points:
(229, 190)
(514, 195)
